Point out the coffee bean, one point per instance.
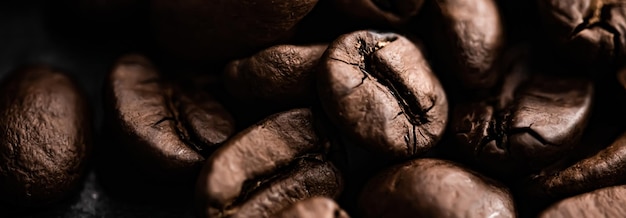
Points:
(466, 38)
(165, 131)
(388, 12)
(45, 129)
(434, 188)
(378, 88)
(607, 202)
(316, 207)
(280, 76)
(587, 31)
(265, 168)
(602, 169)
(209, 30)
(533, 120)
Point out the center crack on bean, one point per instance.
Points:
(596, 15)
(499, 132)
(254, 185)
(411, 108)
(173, 106)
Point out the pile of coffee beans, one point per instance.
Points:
(331, 108)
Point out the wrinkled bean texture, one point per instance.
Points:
(434, 188)
(588, 31)
(210, 29)
(469, 38)
(379, 90)
(45, 130)
(165, 131)
(533, 120)
(281, 156)
(606, 202)
(316, 207)
(282, 74)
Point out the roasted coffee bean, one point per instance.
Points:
(467, 38)
(208, 30)
(602, 169)
(165, 131)
(389, 12)
(265, 168)
(588, 31)
(434, 188)
(379, 89)
(607, 202)
(45, 129)
(533, 120)
(316, 207)
(280, 75)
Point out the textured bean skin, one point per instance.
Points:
(316, 207)
(45, 129)
(469, 36)
(281, 74)
(434, 188)
(532, 121)
(161, 129)
(268, 149)
(606, 202)
(379, 90)
(309, 179)
(588, 31)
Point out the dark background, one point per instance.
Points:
(50, 32)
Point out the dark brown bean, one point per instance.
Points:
(588, 31)
(532, 121)
(602, 169)
(275, 157)
(379, 90)
(434, 188)
(282, 74)
(607, 202)
(164, 130)
(469, 37)
(316, 207)
(45, 129)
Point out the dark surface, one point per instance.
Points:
(34, 32)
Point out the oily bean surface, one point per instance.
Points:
(45, 129)
(434, 188)
(379, 89)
